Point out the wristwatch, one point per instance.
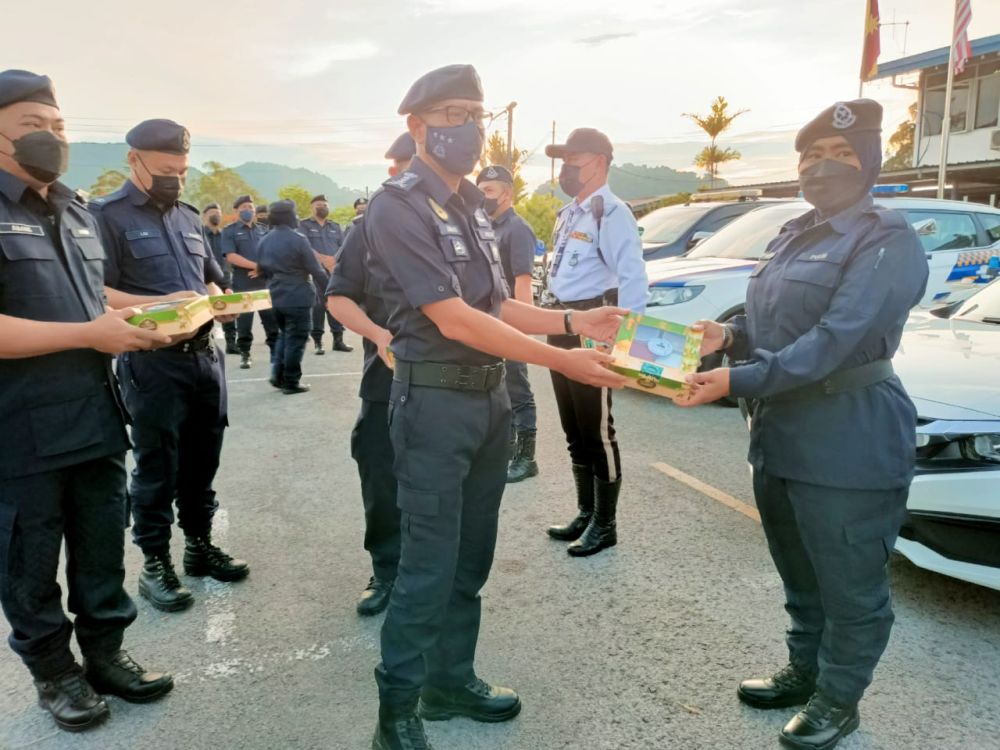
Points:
(568, 322)
(727, 337)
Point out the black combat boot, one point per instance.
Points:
(319, 350)
(478, 701)
(71, 700)
(583, 476)
(246, 362)
(375, 597)
(821, 724)
(339, 345)
(202, 558)
(290, 389)
(159, 584)
(231, 347)
(399, 728)
(523, 465)
(120, 675)
(791, 686)
(602, 532)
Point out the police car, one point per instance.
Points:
(710, 282)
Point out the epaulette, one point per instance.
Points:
(404, 181)
(189, 206)
(890, 218)
(104, 200)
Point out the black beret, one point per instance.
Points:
(857, 116)
(449, 82)
(241, 200)
(262, 209)
(582, 141)
(495, 172)
(280, 208)
(209, 207)
(24, 86)
(360, 202)
(403, 148)
(160, 135)
(318, 198)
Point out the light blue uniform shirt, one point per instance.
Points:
(577, 271)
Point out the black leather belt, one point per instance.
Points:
(842, 381)
(457, 377)
(197, 344)
(552, 302)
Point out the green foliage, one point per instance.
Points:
(108, 182)
(496, 153)
(633, 181)
(710, 157)
(221, 185)
(300, 196)
(343, 215)
(715, 124)
(539, 210)
(899, 154)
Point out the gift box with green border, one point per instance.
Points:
(655, 355)
(240, 302)
(176, 317)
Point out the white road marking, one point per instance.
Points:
(309, 377)
(709, 491)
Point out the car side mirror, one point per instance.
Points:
(698, 237)
(925, 228)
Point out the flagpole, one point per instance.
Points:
(946, 122)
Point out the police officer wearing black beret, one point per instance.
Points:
(353, 297)
(517, 256)
(325, 237)
(240, 242)
(211, 216)
(287, 262)
(177, 395)
(63, 442)
(437, 263)
(825, 310)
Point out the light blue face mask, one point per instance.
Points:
(246, 215)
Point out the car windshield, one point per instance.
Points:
(667, 225)
(983, 306)
(747, 237)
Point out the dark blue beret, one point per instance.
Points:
(495, 172)
(24, 86)
(360, 202)
(857, 116)
(209, 207)
(280, 208)
(582, 141)
(318, 198)
(160, 135)
(403, 148)
(449, 82)
(262, 209)
(241, 200)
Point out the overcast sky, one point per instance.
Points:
(318, 83)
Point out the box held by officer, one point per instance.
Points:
(240, 302)
(655, 355)
(175, 317)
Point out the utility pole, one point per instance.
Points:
(552, 178)
(946, 120)
(510, 136)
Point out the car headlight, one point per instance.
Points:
(981, 448)
(957, 443)
(672, 295)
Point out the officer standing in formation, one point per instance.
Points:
(261, 220)
(517, 257)
(211, 217)
(176, 395)
(63, 442)
(596, 260)
(435, 259)
(287, 262)
(325, 237)
(239, 244)
(825, 311)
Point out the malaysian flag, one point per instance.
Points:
(960, 44)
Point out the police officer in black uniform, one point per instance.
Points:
(352, 297)
(211, 216)
(437, 265)
(325, 237)
(262, 221)
(825, 310)
(517, 256)
(287, 262)
(239, 244)
(63, 442)
(177, 395)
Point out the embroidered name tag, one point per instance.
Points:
(22, 229)
(82, 232)
(582, 236)
(819, 256)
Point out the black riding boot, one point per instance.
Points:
(584, 478)
(602, 531)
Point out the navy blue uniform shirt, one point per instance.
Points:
(153, 252)
(286, 262)
(517, 246)
(428, 244)
(352, 278)
(215, 245)
(829, 296)
(59, 409)
(325, 239)
(244, 240)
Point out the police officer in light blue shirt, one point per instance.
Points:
(833, 438)
(596, 260)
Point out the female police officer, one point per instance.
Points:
(832, 442)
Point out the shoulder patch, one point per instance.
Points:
(405, 181)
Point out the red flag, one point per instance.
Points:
(963, 50)
(872, 47)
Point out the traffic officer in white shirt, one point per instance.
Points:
(596, 260)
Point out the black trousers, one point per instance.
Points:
(371, 448)
(319, 315)
(178, 407)
(585, 414)
(451, 465)
(244, 329)
(831, 547)
(83, 506)
(293, 333)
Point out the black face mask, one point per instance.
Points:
(214, 220)
(322, 212)
(490, 205)
(164, 189)
(42, 154)
(569, 180)
(831, 186)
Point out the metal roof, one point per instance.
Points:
(935, 57)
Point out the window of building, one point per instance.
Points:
(988, 96)
(933, 114)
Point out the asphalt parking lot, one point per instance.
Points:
(638, 648)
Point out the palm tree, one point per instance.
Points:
(715, 124)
